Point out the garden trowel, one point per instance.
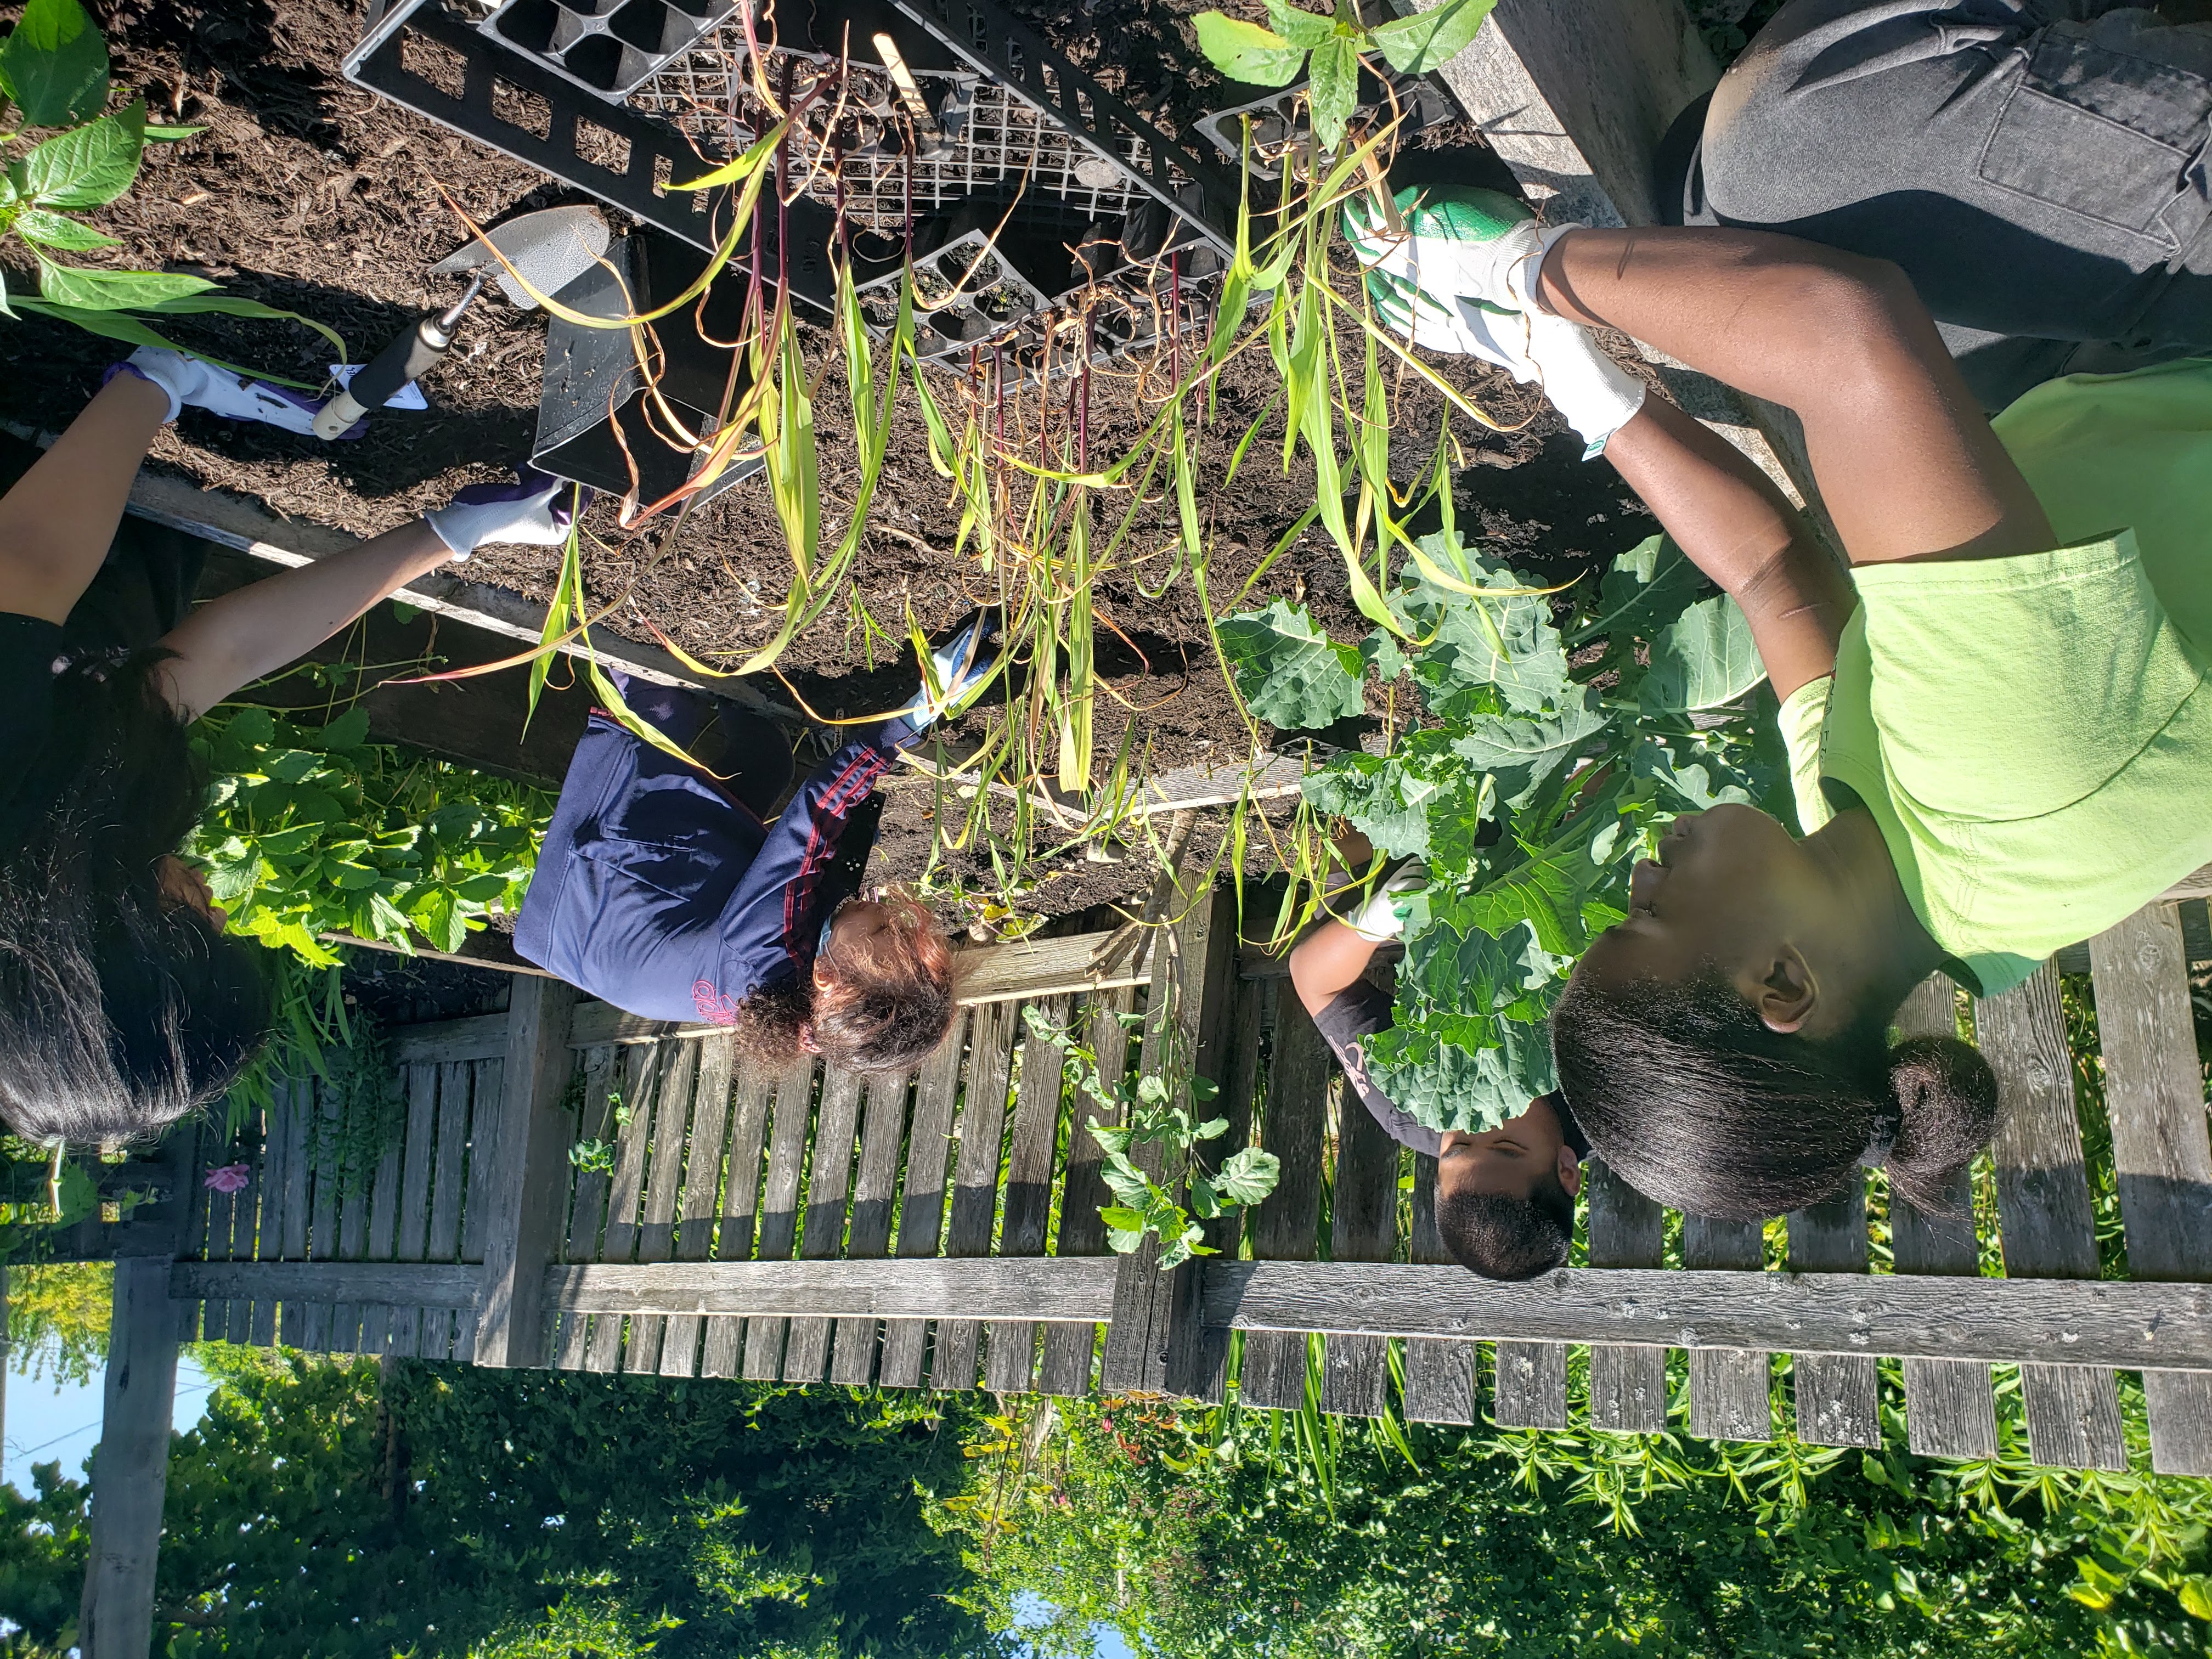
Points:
(548, 249)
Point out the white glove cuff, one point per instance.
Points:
(452, 525)
(1594, 394)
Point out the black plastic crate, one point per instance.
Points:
(606, 46)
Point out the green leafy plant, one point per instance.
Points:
(1327, 51)
(53, 70)
(316, 830)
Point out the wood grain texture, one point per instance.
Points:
(1627, 1385)
(457, 1082)
(921, 1208)
(1355, 1379)
(522, 1152)
(779, 1223)
(116, 1616)
(2047, 1226)
(699, 1208)
(626, 1191)
(1287, 1226)
(1033, 1146)
(868, 1234)
(722, 1341)
(1440, 1385)
(1731, 1392)
(822, 1233)
(1838, 1396)
(1070, 1350)
(348, 1323)
(383, 1235)
(439, 1042)
(310, 1216)
(1949, 1411)
(917, 1288)
(276, 1188)
(953, 1364)
(2161, 1158)
(448, 1285)
(1529, 1390)
(1230, 1031)
(587, 1204)
(677, 1082)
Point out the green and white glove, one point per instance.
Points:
(1461, 279)
(1382, 918)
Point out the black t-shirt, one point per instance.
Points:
(29, 646)
(1359, 1011)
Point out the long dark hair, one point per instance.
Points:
(120, 1011)
(892, 1006)
(1689, 1097)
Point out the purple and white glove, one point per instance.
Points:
(537, 512)
(957, 672)
(218, 391)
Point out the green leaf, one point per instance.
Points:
(1125, 1220)
(1332, 89)
(482, 889)
(1249, 1176)
(90, 165)
(171, 134)
(55, 64)
(1429, 40)
(52, 230)
(1300, 29)
(1648, 586)
(1502, 642)
(1463, 1075)
(113, 290)
(348, 731)
(1245, 51)
(1700, 784)
(1397, 801)
(441, 920)
(2194, 1594)
(1522, 751)
(1288, 672)
(1702, 659)
(131, 330)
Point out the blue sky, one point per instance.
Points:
(47, 1421)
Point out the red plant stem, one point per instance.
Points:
(782, 201)
(1083, 392)
(1174, 321)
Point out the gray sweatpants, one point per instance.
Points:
(2038, 169)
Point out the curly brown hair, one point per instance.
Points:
(890, 1006)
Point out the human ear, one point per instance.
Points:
(825, 974)
(1570, 1172)
(1787, 994)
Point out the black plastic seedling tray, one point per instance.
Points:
(610, 47)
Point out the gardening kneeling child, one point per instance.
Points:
(122, 1005)
(1999, 719)
(664, 888)
(1505, 1196)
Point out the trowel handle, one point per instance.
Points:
(414, 353)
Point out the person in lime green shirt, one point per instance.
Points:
(1999, 718)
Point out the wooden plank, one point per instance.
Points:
(445, 1041)
(952, 1364)
(1949, 1410)
(448, 1285)
(520, 1200)
(921, 1209)
(277, 1163)
(919, 1288)
(868, 1234)
(311, 1211)
(702, 1189)
(1731, 1393)
(418, 1146)
(1440, 1385)
(1070, 1350)
(383, 1235)
(347, 1321)
(1529, 1390)
(456, 1084)
(1033, 1148)
(1355, 1377)
(2047, 1226)
(244, 1216)
(1627, 1385)
(664, 1188)
(1838, 1396)
(1287, 1226)
(632, 1142)
(588, 1205)
(130, 1475)
(1231, 1029)
(822, 1233)
(2161, 1157)
(722, 1347)
(779, 1226)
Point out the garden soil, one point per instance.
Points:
(311, 194)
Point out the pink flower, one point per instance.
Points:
(231, 1178)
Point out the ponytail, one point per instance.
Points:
(1690, 1098)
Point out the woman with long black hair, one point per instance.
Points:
(122, 1005)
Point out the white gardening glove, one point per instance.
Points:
(536, 511)
(1382, 918)
(203, 385)
(957, 670)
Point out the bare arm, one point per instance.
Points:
(235, 640)
(57, 523)
(1327, 961)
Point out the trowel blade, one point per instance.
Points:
(550, 248)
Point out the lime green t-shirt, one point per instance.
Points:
(2034, 735)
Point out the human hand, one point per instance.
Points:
(220, 391)
(1382, 918)
(537, 511)
(1457, 243)
(956, 672)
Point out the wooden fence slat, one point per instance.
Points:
(779, 1226)
(1440, 1377)
(2161, 1156)
(447, 1284)
(703, 1189)
(1070, 1350)
(116, 1616)
(383, 1235)
(920, 1288)
(1287, 1227)
(883, 1135)
(1838, 1396)
(1627, 1384)
(1232, 1028)
(1949, 1411)
(279, 1160)
(411, 1240)
(196, 1237)
(633, 1141)
(1010, 1366)
(310, 1209)
(350, 1324)
(722, 1347)
(2046, 1221)
(822, 1233)
(523, 1142)
(664, 1189)
(433, 1330)
(587, 1205)
(1731, 1392)
(244, 1216)
(1355, 1378)
(952, 1364)
(921, 1209)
